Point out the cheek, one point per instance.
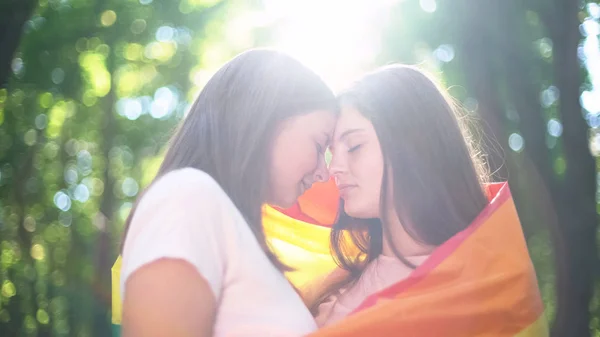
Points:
(301, 161)
(291, 164)
(368, 172)
(304, 159)
(279, 171)
(367, 169)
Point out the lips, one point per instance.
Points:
(344, 189)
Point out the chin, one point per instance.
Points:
(285, 202)
(360, 211)
(354, 212)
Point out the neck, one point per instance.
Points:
(399, 238)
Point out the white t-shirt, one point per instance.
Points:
(187, 215)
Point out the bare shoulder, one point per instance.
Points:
(183, 186)
(188, 179)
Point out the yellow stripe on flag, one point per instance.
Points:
(116, 292)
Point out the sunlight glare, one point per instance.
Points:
(337, 39)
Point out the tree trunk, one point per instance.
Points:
(498, 63)
(476, 58)
(577, 205)
(13, 15)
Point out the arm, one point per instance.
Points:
(173, 259)
(168, 298)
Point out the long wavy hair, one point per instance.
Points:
(229, 131)
(438, 174)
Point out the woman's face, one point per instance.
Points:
(357, 164)
(298, 157)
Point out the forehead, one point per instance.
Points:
(314, 122)
(322, 119)
(351, 119)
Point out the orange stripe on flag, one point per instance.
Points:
(479, 283)
(318, 205)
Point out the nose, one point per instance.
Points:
(337, 166)
(321, 173)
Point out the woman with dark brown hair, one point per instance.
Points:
(195, 259)
(409, 179)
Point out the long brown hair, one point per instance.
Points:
(438, 174)
(229, 129)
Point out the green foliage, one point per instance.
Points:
(96, 90)
(99, 85)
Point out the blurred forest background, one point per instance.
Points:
(90, 91)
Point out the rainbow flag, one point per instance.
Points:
(481, 282)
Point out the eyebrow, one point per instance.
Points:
(348, 132)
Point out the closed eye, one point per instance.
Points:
(354, 148)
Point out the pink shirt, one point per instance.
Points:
(379, 274)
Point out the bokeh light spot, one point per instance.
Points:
(8, 289)
(37, 252)
(30, 325)
(444, 53)
(594, 10)
(130, 108)
(516, 142)
(124, 210)
(81, 44)
(29, 224)
(89, 99)
(133, 51)
(42, 316)
(590, 27)
(17, 66)
(560, 165)
(4, 316)
(165, 101)
(30, 137)
(108, 18)
(165, 34)
(549, 96)
(84, 162)
(590, 100)
(138, 26)
(545, 46)
(97, 187)
(81, 193)
(555, 127)
(71, 175)
(46, 99)
(593, 120)
(57, 75)
(595, 144)
(41, 121)
(130, 187)
(65, 219)
(58, 278)
(62, 201)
